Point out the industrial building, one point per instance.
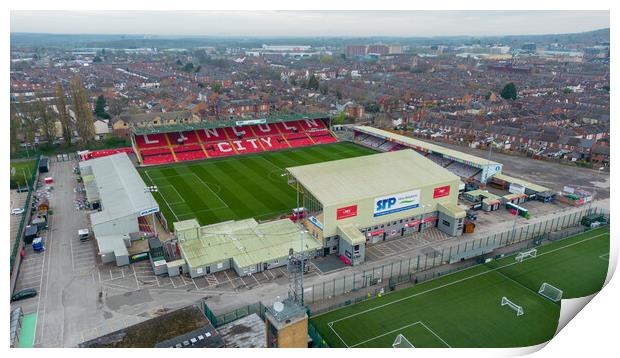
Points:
(116, 190)
(246, 246)
(365, 200)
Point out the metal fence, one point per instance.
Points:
(402, 270)
(222, 319)
(26, 215)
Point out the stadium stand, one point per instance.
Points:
(463, 170)
(87, 154)
(199, 144)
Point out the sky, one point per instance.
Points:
(310, 23)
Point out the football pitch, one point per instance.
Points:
(464, 309)
(243, 187)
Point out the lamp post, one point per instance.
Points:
(152, 189)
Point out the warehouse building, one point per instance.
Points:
(246, 246)
(353, 202)
(114, 187)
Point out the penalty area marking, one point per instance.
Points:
(604, 257)
(397, 330)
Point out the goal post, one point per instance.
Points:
(525, 254)
(514, 306)
(550, 292)
(402, 342)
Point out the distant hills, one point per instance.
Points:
(42, 40)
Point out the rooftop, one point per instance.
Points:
(245, 241)
(418, 144)
(116, 182)
(348, 180)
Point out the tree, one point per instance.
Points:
(100, 105)
(63, 115)
(97, 59)
(29, 124)
(83, 115)
(509, 91)
(116, 105)
(372, 108)
(567, 90)
(14, 130)
(340, 118)
(313, 83)
(188, 67)
(46, 119)
(216, 87)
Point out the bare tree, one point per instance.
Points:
(83, 116)
(16, 126)
(29, 124)
(63, 115)
(46, 119)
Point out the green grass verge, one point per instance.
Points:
(243, 187)
(21, 169)
(463, 309)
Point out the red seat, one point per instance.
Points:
(219, 149)
(311, 124)
(150, 140)
(265, 129)
(239, 132)
(188, 138)
(298, 140)
(289, 127)
(211, 135)
(273, 142)
(250, 145)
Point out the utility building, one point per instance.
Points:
(365, 200)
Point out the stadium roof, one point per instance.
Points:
(246, 242)
(429, 147)
(275, 117)
(116, 182)
(348, 180)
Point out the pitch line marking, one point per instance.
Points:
(460, 280)
(604, 257)
(163, 197)
(176, 191)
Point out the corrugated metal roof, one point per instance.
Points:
(118, 185)
(452, 209)
(523, 183)
(348, 180)
(454, 154)
(246, 242)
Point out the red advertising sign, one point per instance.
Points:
(375, 233)
(413, 223)
(441, 192)
(346, 212)
(429, 219)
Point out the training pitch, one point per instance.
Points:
(249, 186)
(464, 309)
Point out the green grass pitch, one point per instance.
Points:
(463, 309)
(243, 187)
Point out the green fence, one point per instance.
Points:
(25, 215)
(317, 340)
(222, 319)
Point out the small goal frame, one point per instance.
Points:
(546, 289)
(514, 306)
(529, 253)
(402, 342)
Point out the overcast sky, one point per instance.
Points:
(310, 23)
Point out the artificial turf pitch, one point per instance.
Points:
(463, 309)
(249, 186)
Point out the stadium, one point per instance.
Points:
(288, 169)
(245, 196)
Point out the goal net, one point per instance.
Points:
(551, 292)
(514, 306)
(522, 255)
(402, 342)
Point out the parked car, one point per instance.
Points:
(23, 294)
(17, 211)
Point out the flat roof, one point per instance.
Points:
(116, 182)
(454, 210)
(246, 332)
(535, 187)
(450, 153)
(246, 242)
(348, 180)
(351, 234)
